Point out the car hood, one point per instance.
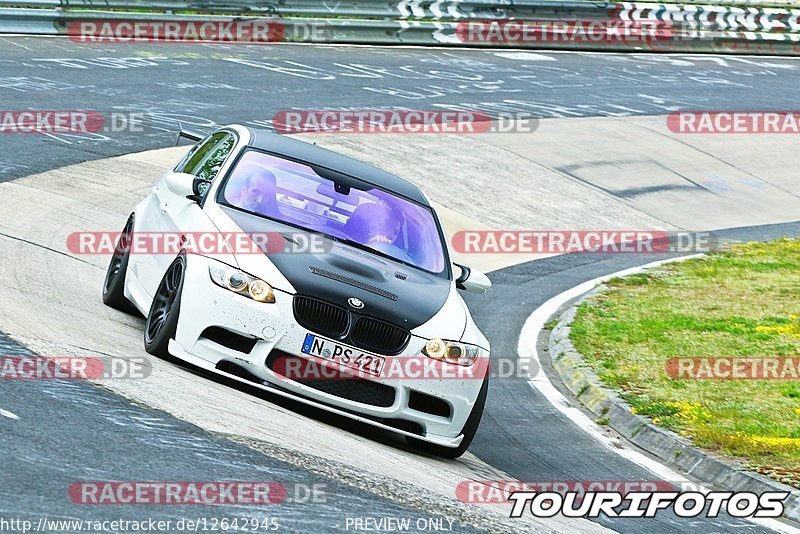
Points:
(390, 291)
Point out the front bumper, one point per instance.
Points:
(272, 329)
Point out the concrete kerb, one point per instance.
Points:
(670, 448)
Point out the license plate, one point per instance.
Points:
(342, 355)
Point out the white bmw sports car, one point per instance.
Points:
(355, 310)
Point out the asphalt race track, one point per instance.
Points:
(133, 443)
(205, 85)
(53, 433)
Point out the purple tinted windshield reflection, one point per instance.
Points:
(293, 193)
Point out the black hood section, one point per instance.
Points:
(392, 292)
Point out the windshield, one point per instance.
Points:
(293, 193)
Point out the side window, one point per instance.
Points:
(193, 158)
(205, 159)
(211, 165)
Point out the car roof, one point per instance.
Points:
(315, 155)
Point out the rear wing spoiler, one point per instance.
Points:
(187, 134)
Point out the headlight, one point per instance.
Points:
(241, 283)
(453, 352)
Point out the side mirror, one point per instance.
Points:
(187, 185)
(180, 183)
(200, 186)
(472, 280)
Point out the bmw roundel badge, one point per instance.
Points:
(355, 303)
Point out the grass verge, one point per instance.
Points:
(743, 302)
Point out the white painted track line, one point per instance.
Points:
(10, 415)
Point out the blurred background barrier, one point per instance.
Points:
(739, 26)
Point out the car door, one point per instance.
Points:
(178, 216)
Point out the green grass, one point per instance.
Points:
(741, 302)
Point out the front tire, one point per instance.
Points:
(162, 320)
(469, 430)
(114, 283)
